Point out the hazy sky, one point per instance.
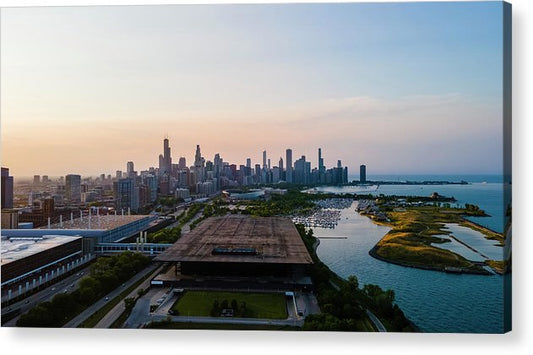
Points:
(401, 87)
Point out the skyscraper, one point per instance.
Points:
(182, 164)
(7, 189)
(165, 161)
(288, 169)
(130, 170)
(217, 171)
(124, 191)
(151, 182)
(73, 188)
(302, 170)
(198, 165)
(321, 168)
(264, 159)
(362, 174)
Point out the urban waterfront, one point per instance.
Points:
(486, 191)
(434, 301)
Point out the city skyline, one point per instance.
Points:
(131, 166)
(89, 99)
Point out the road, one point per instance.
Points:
(80, 318)
(69, 284)
(376, 321)
(113, 315)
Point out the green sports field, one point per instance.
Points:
(258, 305)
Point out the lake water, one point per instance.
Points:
(434, 301)
(488, 196)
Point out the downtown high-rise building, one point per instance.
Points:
(151, 182)
(321, 167)
(165, 160)
(73, 188)
(302, 171)
(182, 163)
(7, 189)
(362, 174)
(125, 195)
(130, 170)
(199, 166)
(288, 169)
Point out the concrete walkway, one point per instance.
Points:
(220, 320)
(376, 321)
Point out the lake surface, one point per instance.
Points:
(434, 301)
(488, 196)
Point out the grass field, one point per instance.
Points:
(258, 305)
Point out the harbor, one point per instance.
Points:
(326, 214)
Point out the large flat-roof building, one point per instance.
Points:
(242, 246)
(103, 228)
(29, 262)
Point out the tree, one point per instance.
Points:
(90, 282)
(234, 305)
(86, 295)
(63, 304)
(129, 303)
(215, 309)
(352, 283)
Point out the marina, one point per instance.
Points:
(326, 214)
(459, 302)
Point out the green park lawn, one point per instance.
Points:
(258, 305)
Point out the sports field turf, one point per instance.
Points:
(258, 305)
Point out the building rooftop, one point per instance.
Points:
(105, 222)
(16, 248)
(240, 239)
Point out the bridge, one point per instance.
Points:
(150, 249)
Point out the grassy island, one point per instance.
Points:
(416, 230)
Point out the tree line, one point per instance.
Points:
(106, 274)
(343, 302)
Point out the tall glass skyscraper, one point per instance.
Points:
(288, 158)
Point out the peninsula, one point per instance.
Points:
(418, 230)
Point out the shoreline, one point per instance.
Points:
(316, 243)
(372, 252)
(487, 234)
(484, 230)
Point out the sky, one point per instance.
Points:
(405, 88)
